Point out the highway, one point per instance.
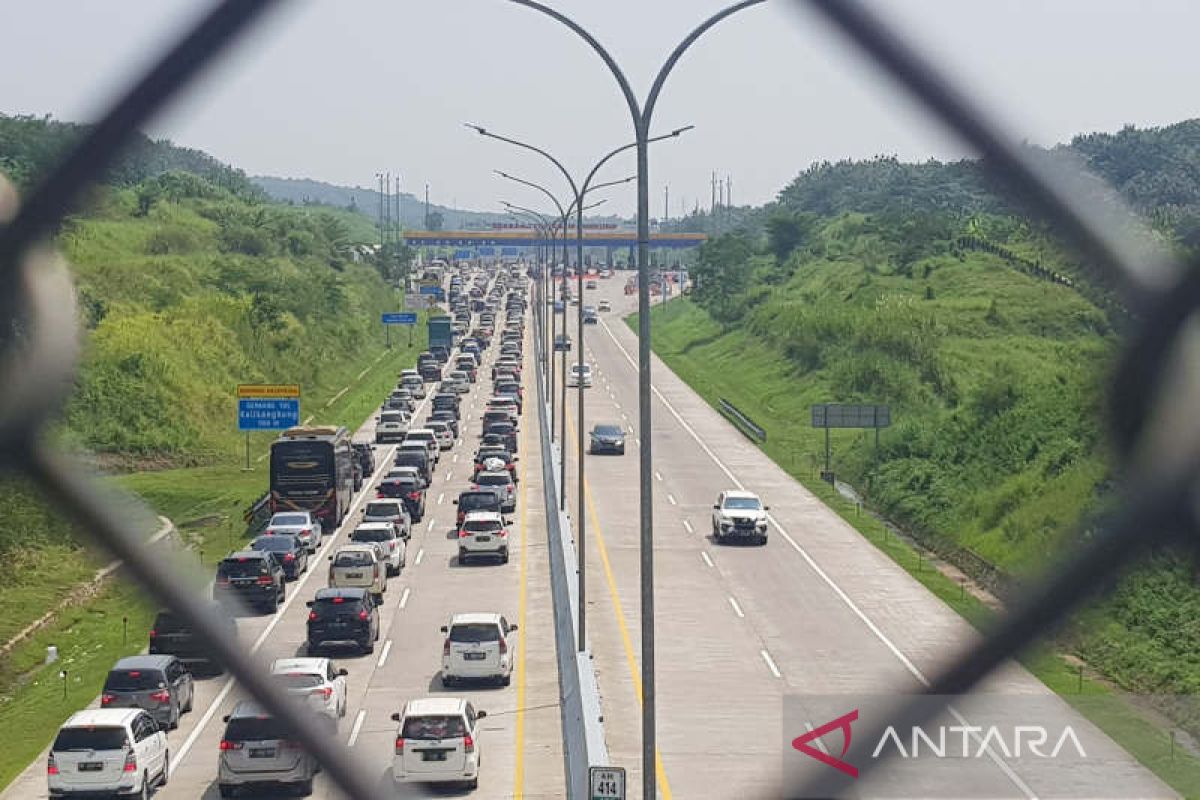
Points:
(817, 611)
(521, 749)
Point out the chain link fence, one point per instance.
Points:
(1153, 391)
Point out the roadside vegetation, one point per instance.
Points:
(909, 285)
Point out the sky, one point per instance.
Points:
(338, 90)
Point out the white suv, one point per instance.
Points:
(386, 534)
(437, 741)
(116, 751)
(739, 515)
(321, 685)
(391, 426)
(581, 375)
(482, 533)
(478, 647)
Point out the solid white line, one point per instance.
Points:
(657, 475)
(736, 608)
(421, 552)
(307, 419)
(441, 498)
(688, 526)
(334, 399)
(387, 648)
(770, 664)
(808, 559)
(360, 375)
(671, 498)
(404, 597)
(707, 560)
(358, 723)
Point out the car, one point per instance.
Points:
(495, 458)
(411, 379)
(580, 375)
(604, 305)
(342, 615)
(441, 431)
(589, 316)
(607, 438)
(253, 578)
(431, 372)
(364, 453)
(447, 402)
(159, 684)
(406, 471)
(316, 681)
(107, 751)
(500, 482)
(404, 398)
(478, 647)
(574, 301)
(590, 285)
(483, 534)
(413, 457)
(739, 515)
(468, 366)
(426, 437)
(298, 523)
(510, 388)
(472, 500)
(559, 306)
(437, 741)
(288, 549)
(390, 426)
(507, 431)
(358, 565)
(457, 381)
(171, 635)
(441, 353)
(408, 490)
(450, 418)
(257, 752)
(393, 511)
(505, 402)
(562, 342)
(386, 534)
(493, 416)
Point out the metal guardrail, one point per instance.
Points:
(747, 426)
(1153, 390)
(257, 513)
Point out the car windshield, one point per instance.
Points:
(276, 544)
(289, 519)
(353, 559)
(90, 738)
(475, 632)
(433, 727)
(607, 430)
(382, 510)
(132, 680)
(743, 503)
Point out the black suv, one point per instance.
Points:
(365, 455)
(347, 615)
(476, 501)
(289, 551)
(256, 579)
(171, 635)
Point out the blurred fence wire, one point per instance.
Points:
(1153, 393)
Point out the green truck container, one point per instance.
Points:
(441, 332)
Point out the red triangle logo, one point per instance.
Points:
(801, 743)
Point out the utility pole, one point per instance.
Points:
(381, 230)
(712, 206)
(427, 206)
(387, 208)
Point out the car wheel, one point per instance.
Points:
(226, 790)
(504, 557)
(173, 720)
(762, 540)
(447, 682)
(462, 556)
(312, 648)
(144, 792)
(273, 606)
(368, 646)
(473, 784)
(304, 788)
(505, 680)
(166, 770)
(191, 700)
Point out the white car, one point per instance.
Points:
(437, 741)
(321, 685)
(442, 432)
(457, 381)
(426, 437)
(389, 510)
(604, 306)
(482, 533)
(301, 524)
(387, 535)
(358, 565)
(581, 375)
(478, 647)
(114, 751)
(411, 379)
(391, 426)
(739, 515)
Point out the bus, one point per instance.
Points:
(312, 469)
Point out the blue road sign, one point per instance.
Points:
(400, 318)
(268, 414)
(487, 251)
(463, 254)
(431, 290)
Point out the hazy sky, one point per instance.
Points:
(340, 89)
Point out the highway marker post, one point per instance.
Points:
(606, 783)
(267, 407)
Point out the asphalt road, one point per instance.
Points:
(817, 611)
(521, 745)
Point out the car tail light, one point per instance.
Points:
(399, 745)
(503, 647)
(290, 557)
(502, 532)
(324, 691)
(227, 745)
(153, 633)
(363, 615)
(468, 744)
(106, 699)
(268, 532)
(312, 616)
(130, 762)
(51, 767)
(414, 495)
(464, 533)
(222, 581)
(378, 494)
(264, 580)
(161, 696)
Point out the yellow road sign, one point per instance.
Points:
(262, 390)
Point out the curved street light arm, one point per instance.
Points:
(587, 181)
(561, 212)
(482, 131)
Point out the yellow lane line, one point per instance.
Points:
(635, 673)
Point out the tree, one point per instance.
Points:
(787, 230)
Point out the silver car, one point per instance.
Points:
(298, 523)
(257, 751)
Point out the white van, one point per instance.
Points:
(358, 565)
(478, 647)
(437, 741)
(118, 751)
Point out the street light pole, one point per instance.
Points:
(641, 117)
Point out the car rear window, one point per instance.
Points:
(167, 622)
(475, 632)
(481, 525)
(372, 535)
(298, 680)
(133, 680)
(433, 727)
(391, 417)
(352, 559)
(289, 519)
(329, 606)
(91, 738)
(492, 480)
(383, 510)
(276, 543)
(242, 567)
(480, 500)
(255, 729)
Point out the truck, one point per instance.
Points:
(441, 332)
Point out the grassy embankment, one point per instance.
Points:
(995, 381)
(183, 300)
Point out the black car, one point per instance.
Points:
(418, 459)
(507, 431)
(364, 453)
(607, 439)
(562, 342)
(446, 402)
(476, 501)
(447, 416)
(256, 579)
(347, 615)
(408, 490)
(287, 549)
(172, 635)
(430, 373)
(441, 353)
